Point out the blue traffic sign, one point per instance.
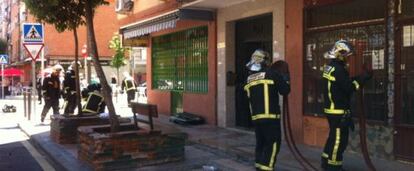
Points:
(33, 33)
(4, 59)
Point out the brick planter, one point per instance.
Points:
(64, 130)
(129, 148)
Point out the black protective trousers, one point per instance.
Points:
(50, 103)
(336, 143)
(268, 140)
(70, 105)
(130, 95)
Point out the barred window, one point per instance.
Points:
(369, 43)
(406, 8)
(346, 12)
(180, 61)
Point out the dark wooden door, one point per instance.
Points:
(251, 34)
(404, 89)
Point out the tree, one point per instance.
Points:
(90, 5)
(68, 14)
(3, 46)
(64, 15)
(118, 60)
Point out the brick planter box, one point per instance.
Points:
(128, 148)
(64, 130)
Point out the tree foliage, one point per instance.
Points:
(118, 59)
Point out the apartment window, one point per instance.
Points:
(180, 61)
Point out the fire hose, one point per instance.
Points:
(287, 130)
(362, 132)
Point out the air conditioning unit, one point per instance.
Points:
(123, 6)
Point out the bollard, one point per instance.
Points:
(29, 105)
(24, 103)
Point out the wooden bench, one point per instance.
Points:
(149, 110)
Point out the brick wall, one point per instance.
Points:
(64, 130)
(128, 148)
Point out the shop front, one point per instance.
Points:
(180, 60)
(381, 32)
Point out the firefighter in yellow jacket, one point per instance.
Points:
(337, 95)
(95, 103)
(129, 85)
(263, 86)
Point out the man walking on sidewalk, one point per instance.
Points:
(263, 86)
(51, 87)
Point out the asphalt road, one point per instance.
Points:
(16, 153)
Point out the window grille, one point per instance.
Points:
(180, 61)
(369, 43)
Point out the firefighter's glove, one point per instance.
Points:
(367, 72)
(282, 68)
(347, 122)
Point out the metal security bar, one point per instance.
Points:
(369, 42)
(180, 61)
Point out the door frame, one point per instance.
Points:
(398, 126)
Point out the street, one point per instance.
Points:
(16, 153)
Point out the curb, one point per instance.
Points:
(60, 159)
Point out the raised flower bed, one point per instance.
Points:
(128, 148)
(64, 129)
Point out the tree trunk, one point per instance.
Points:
(75, 33)
(98, 68)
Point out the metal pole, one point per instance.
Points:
(29, 106)
(33, 87)
(2, 81)
(24, 102)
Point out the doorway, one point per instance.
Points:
(404, 94)
(251, 34)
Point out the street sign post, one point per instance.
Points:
(33, 49)
(4, 59)
(33, 33)
(33, 36)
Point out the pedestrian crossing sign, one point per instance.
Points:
(33, 33)
(4, 59)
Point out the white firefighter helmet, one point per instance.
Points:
(340, 50)
(258, 60)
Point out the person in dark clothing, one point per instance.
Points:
(95, 103)
(263, 86)
(51, 88)
(129, 85)
(39, 88)
(337, 95)
(69, 90)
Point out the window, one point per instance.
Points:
(406, 8)
(179, 61)
(369, 42)
(346, 12)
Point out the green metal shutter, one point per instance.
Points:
(180, 61)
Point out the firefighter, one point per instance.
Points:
(95, 103)
(337, 95)
(263, 86)
(51, 89)
(129, 85)
(69, 90)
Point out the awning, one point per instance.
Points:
(164, 21)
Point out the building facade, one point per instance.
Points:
(59, 48)
(298, 31)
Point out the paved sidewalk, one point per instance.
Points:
(226, 149)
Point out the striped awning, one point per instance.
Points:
(158, 24)
(163, 21)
